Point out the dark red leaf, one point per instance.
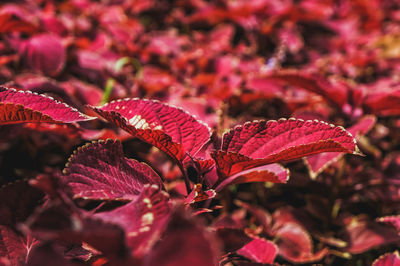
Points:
(168, 128)
(389, 259)
(232, 238)
(259, 250)
(14, 247)
(199, 248)
(25, 106)
(295, 244)
(258, 143)
(143, 220)
(56, 222)
(99, 171)
(393, 220)
(364, 235)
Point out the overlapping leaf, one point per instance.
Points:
(143, 219)
(168, 128)
(100, 171)
(258, 143)
(319, 162)
(25, 106)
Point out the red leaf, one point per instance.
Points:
(258, 143)
(143, 220)
(198, 194)
(336, 94)
(259, 250)
(388, 259)
(168, 128)
(319, 162)
(11, 23)
(25, 106)
(199, 248)
(99, 171)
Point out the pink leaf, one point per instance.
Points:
(25, 106)
(168, 128)
(258, 143)
(267, 173)
(99, 171)
(143, 219)
(388, 259)
(393, 220)
(364, 235)
(45, 53)
(259, 250)
(295, 244)
(319, 162)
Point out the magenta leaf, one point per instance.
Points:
(259, 250)
(45, 54)
(388, 259)
(168, 128)
(99, 171)
(317, 163)
(143, 219)
(258, 143)
(25, 106)
(200, 247)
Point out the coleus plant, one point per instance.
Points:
(100, 172)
